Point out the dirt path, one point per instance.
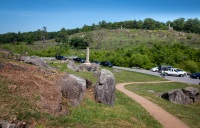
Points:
(166, 119)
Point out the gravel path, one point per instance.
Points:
(166, 119)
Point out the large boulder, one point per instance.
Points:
(6, 54)
(91, 67)
(183, 96)
(197, 99)
(71, 65)
(105, 88)
(35, 60)
(191, 92)
(177, 96)
(96, 73)
(73, 88)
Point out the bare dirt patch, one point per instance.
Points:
(32, 83)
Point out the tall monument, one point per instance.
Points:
(170, 28)
(87, 56)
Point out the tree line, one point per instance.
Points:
(177, 55)
(181, 24)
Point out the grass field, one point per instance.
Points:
(125, 113)
(188, 113)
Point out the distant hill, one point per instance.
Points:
(118, 38)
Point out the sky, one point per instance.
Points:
(31, 15)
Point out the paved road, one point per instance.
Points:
(185, 79)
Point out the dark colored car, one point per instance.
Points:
(106, 63)
(79, 60)
(164, 68)
(195, 75)
(60, 58)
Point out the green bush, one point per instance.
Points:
(191, 66)
(189, 37)
(140, 60)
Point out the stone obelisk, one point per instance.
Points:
(87, 56)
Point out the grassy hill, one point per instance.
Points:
(127, 38)
(113, 39)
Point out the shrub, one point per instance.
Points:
(191, 66)
(140, 60)
(189, 37)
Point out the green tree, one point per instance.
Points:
(62, 48)
(192, 25)
(102, 24)
(86, 28)
(44, 34)
(20, 37)
(78, 42)
(139, 24)
(178, 24)
(10, 37)
(29, 37)
(159, 54)
(62, 36)
(149, 24)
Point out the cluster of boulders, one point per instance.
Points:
(187, 95)
(83, 67)
(35, 60)
(72, 88)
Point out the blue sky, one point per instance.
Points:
(30, 15)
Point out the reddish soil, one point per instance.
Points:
(166, 119)
(33, 82)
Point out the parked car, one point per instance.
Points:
(60, 57)
(106, 63)
(180, 70)
(154, 69)
(95, 61)
(79, 60)
(174, 72)
(195, 75)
